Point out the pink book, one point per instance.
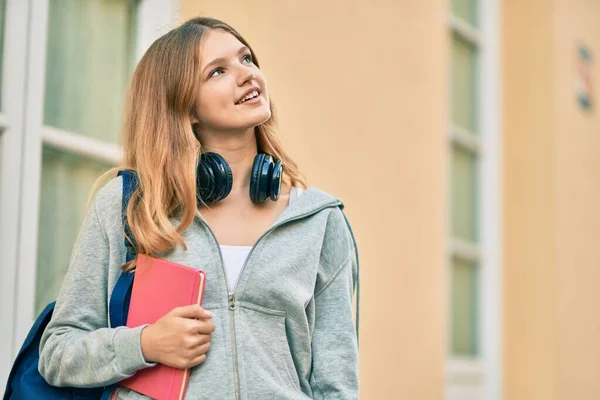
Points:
(158, 287)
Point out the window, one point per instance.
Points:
(59, 132)
(13, 23)
(2, 35)
(473, 256)
(89, 58)
(464, 156)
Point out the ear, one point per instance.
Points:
(196, 125)
(193, 116)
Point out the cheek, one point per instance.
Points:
(212, 103)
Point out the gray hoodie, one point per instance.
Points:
(285, 332)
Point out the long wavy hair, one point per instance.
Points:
(159, 141)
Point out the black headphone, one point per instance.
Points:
(214, 178)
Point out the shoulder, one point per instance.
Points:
(338, 240)
(337, 220)
(107, 202)
(110, 193)
(313, 196)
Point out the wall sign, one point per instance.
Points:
(584, 86)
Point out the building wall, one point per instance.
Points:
(362, 100)
(578, 197)
(530, 205)
(552, 171)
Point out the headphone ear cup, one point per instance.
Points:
(264, 178)
(276, 178)
(214, 178)
(254, 178)
(205, 179)
(224, 176)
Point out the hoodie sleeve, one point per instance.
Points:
(77, 348)
(334, 344)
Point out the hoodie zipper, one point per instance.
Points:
(231, 295)
(236, 377)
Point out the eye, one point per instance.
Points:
(248, 57)
(215, 70)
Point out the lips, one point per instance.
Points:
(248, 92)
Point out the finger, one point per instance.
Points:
(202, 338)
(193, 341)
(203, 349)
(199, 326)
(198, 360)
(205, 327)
(192, 311)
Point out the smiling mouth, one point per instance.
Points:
(251, 96)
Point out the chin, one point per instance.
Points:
(259, 117)
(248, 119)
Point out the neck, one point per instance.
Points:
(238, 150)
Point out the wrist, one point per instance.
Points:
(146, 344)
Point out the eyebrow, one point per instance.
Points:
(221, 59)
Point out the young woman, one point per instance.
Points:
(280, 259)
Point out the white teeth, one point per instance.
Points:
(250, 96)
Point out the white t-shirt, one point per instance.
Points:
(235, 256)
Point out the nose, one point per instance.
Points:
(246, 75)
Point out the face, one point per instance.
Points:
(233, 92)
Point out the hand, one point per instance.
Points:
(180, 339)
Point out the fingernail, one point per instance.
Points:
(209, 313)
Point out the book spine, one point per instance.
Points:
(200, 288)
(186, 378)
(197, 297)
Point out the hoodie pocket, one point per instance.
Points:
(268, 365)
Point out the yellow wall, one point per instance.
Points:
(552, 170)
(578, 202)
(361, 94)
(529, 187)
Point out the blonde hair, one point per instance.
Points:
(159, 142)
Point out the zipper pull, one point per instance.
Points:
(231, 301)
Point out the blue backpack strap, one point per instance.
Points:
(121, 294)
(119, 300)
(130, 183)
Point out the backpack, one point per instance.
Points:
(25, 382)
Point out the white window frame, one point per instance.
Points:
(22, 154)
(11, 125)
(480, 378)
